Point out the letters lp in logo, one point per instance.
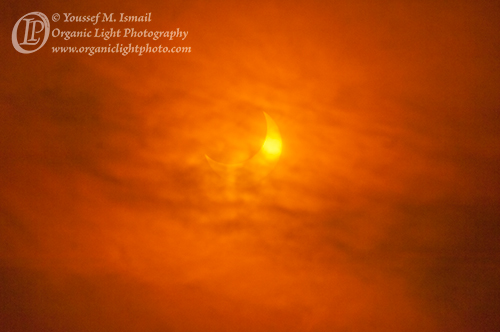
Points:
(34, 24)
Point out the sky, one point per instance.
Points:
(380, 215)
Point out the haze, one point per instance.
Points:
(381, 214)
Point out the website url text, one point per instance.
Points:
(120, 49)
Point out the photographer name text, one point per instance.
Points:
(105, 17)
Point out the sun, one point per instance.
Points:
(258, 166)
(272, 146)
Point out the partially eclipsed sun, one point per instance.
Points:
(260, 165)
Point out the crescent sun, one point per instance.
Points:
(258, 166)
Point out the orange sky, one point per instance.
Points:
(381, 215)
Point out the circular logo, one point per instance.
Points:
(34, 23)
